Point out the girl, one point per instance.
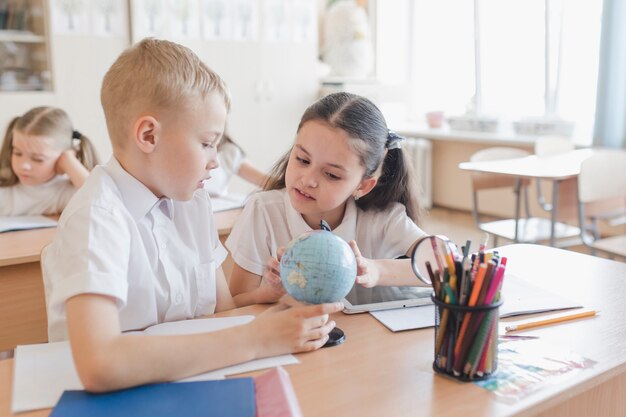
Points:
(347, 168)
(40, 167)
(232, 161)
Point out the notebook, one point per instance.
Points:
(12, 223)
(520, 297)
(228, 397)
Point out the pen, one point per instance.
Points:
(551, 320)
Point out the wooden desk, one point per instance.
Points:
(23, 308)
(557, 169)
(23, 316)
(379, 373)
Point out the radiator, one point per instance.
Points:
(419, 153)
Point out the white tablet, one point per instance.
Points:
(361, 299)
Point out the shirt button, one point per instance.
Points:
(179, 298)
(163, 245)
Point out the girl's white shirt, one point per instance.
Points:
(268, 222)
(48, 198)
(157, 258)
(230, 158)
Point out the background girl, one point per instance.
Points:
(43, 161)
(347, 168)
(232, 161)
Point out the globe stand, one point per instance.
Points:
(335, 337)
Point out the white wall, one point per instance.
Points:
(271, 85)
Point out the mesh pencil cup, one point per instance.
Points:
(466, 340)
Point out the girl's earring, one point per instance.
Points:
(356, 197)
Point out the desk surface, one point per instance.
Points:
(25, 245)
(380, 373)
(557, 167)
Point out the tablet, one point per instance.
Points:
(361, 299)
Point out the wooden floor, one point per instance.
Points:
(459, 227)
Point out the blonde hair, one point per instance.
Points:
(50, 122)
(154, 74)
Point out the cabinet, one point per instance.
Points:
(24, 46)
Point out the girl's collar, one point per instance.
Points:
(297, 226)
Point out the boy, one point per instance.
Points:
(137, 244)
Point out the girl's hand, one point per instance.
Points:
(301, 328)
(271, 288)
(66, 161)
(367, 273)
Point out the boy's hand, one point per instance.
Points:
(302, 328)
(367, 273)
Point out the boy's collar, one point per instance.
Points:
(136, 196)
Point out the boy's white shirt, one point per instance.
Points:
(230, 158)
(268, 222)
(48, 198)
(156, 257)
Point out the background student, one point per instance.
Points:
(232, 161)
(138, 245)
(43, 162)
(346, 168)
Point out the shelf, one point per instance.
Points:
(20, 36)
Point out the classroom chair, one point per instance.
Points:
(546, 146)
(507, 228)
(602, 200)
(525, 229)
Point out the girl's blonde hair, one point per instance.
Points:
(51, 122)
(154, 74)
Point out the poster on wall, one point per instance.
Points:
(245, 20)
(108, 18)
(216, 19)
(276, 17)
(304, 21)
(183, 21)
(148, 19)
(70, 17)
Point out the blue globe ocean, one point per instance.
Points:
(318, 267)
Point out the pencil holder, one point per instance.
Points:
(466, 340)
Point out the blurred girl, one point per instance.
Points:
(43, 161)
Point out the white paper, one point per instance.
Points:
(227, 202)
(520, 297)
(11, 223)
(400, 319)
(43, 371)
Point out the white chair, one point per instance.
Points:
(546, 146)
(519, 228)
(481, 181)
(602, 196)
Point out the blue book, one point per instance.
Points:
(228, 397)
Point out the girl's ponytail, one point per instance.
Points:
(7, 176)
(85, 151)
(396, 182)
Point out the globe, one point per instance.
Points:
(318, 267)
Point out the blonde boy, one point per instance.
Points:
(137, 245)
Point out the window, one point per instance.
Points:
(504, 58)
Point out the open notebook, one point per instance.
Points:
(12, 223)
(520, 297)
(43, 371)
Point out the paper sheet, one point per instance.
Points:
(400, 319)
(11, 223)
(227, 202)
(43, 371)
(520, 297)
